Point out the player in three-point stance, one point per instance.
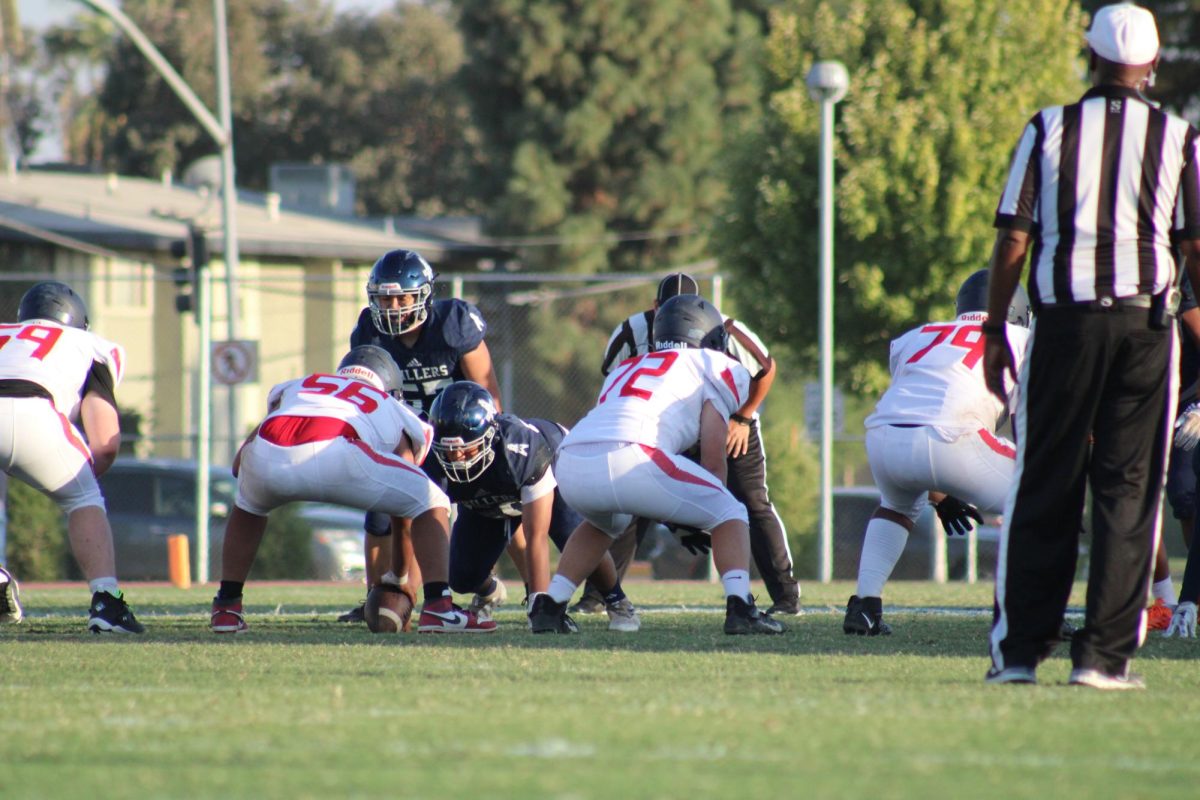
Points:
(56, 377)
(497, 469)
(933, 438)
(623, 459)
(342, 438)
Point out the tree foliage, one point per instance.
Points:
(939, 93)
(308, 85)
(604, 118)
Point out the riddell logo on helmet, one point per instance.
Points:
(671, 346)
(974, 316)
(359, 373)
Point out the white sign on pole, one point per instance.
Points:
(235, 361)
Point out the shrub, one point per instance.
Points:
(37, 535)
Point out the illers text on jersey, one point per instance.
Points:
(425, 373)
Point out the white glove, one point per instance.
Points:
(1183, 622)
(1187, 427)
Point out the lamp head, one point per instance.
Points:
(827, 81)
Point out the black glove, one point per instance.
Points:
(956, 515)
(697, 542)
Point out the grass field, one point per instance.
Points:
(302, 706)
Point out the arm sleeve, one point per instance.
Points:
(1187, 206)
(99, 381)
(727, 383)
(463, 327)
(1017, 209)
(747, 349)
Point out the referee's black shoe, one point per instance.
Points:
(741, 617)
(864, 617)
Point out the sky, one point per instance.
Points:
(38, 14)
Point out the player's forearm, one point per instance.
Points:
(1008, 260)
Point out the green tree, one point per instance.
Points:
(37, 535)
(607, 118)
(309, 85)
(939, 93)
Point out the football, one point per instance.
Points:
(389, 608)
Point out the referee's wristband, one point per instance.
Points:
(738, 418)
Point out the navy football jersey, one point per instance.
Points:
(453, 329)
(524, 451)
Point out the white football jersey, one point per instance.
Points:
(57, 358)
(378, 418)
(937, 377)
(655, 399)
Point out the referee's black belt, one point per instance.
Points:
(1104, 303)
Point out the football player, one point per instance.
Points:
(342, 438)
(623, 460)
(497, 470)
(932, 438)
(434, 343)
(56, 378)
(747, 467)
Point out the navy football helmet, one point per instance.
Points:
(688, 320)
(973, 296)
(55, 301)
(372, 365)
(404, 275)
(464, 424)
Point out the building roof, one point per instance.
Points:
(127, 213)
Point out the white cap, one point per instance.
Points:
(1124, 33)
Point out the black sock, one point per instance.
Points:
(487, 587)
(436, 590)
(614, 595)
(230, 590)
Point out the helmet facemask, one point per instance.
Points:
(401, 318)
(462, 461)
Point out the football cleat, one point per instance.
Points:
(547, 616)
(587, 605)
(864, 617)
(10, 598)
(1158, 616)
(109, 614)
(742, 617)
(1011, 675)
(355, 614)
(484, 605)
(1096, 679)
(788, 607)
(442, 616)
(622, 616)
(227, 616)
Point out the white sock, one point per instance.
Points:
(883, 545)
(105, 585)
(737, 583)
(561, 590)
(1165, 590)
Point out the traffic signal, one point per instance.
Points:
(194, 250)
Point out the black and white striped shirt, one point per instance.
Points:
(1103, 185)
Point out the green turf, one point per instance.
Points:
(302, 706)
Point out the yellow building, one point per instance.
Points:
(300, 285)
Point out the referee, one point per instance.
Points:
(1101, 189)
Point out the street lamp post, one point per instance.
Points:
(827, 83)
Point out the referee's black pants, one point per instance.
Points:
(747, 481)
(1089, 374)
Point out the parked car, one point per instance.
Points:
(151, 499)
(852, 509)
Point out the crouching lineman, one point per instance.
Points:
(932, 439)
(623, 460)
(346, 439)
(54, 374)
(496, 468)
